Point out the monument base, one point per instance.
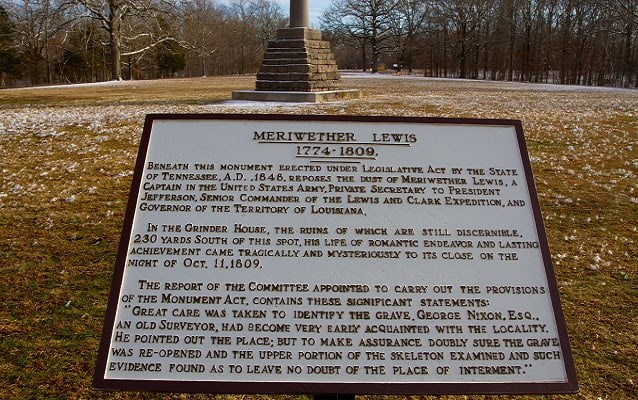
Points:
(297, 97)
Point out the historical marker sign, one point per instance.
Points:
(273, 254)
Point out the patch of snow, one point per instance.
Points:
(503, 85)
(77, 85)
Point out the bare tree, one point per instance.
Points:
(625, 14)
(40, 27)
(589, 42)
(254, 22)
(129, 22)
(367, 21)
(203, 21)
(9, 61)
(269, 16)
(465, 18)
(407, 21)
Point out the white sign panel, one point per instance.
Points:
(307, 254)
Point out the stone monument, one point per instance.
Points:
(298, 65)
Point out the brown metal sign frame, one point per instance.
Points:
(99, 382)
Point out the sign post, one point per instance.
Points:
(289, 254)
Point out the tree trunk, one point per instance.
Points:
(463, 53)
(512, 37)
(548, 64)
(565, 43)
(628, 62)
(363, 56)
(116, 67)
(527, 69)
(445, 51)
(375, 51)
(486, 63)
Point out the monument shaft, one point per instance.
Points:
(299, 14)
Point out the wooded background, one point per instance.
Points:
(583, 42)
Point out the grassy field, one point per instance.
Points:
(67, 155)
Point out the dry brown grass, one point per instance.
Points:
(184, 91)
(67, 156)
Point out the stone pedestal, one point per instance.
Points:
(298, 66)
(298, 60)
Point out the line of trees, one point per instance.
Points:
(67, 41)
(585, 42)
